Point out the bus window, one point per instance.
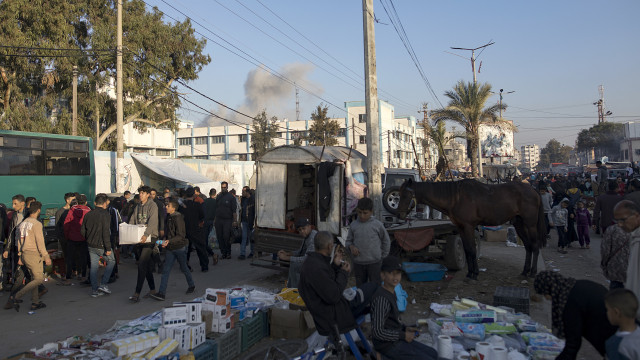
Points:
(67, 163)
(21, 162)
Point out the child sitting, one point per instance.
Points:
(390, 337)
(622, 306)
(583, 220)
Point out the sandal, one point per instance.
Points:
(148, 295)
(215, 259)
(134, 298)
(37, 306)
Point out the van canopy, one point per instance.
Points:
(288, 154)
(174, 170)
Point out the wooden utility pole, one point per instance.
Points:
(374, 168)
(74, 104)
(417, 159)
(119, 106)
(388, 148)
(427, 140)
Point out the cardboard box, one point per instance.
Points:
(225, 323)
(239, 314)
(496, 235)
(207, 318)
(174, 316)
(166, 347)
(198, 335)
(194, 311)
(130, 234)
(237, 301)
(217, 296)
(221, 311)
(289, 324)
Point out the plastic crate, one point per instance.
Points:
(206, 351)
(265, 323)
(424, 271)
(252, 330)
(513, 297)
(229, 344)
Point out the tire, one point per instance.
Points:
(391, 199)
(454, 257)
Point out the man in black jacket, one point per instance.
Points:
(225, 218)
(193, 218)
(96, 230)
(176, 245)
(247, 219)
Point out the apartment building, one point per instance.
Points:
(530, 156)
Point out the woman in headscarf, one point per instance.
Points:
(577, 310)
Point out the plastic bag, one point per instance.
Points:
(401, 295)
(211, 238)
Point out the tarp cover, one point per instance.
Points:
(288, 154)
(271, 199)
(173, 169)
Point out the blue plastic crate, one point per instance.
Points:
(424, 271)
(206, 351)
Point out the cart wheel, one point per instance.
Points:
(454, 257)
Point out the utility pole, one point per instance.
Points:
(97, 126)
(473, 69)
(119, 109)
(427, 140)
(415, 154)
(389, 148)
(508, 92)
(74, 104)
(600, 104)
(297, 103)
(371, 89)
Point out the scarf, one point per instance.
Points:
(559, 287)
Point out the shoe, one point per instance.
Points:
(8, 305)
(95, 294)
(215, 259)
(190, 269)
(581, 246)
(588, 247)
(41, 293)
(228, 256)
(111, 280)
(134, 298)
(250, 255)
(241, 257)
(86, 282)
(104, 289)
(191, 289)
(157, 296)
(37, 306)
(205, 270)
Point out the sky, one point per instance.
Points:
(553, 55)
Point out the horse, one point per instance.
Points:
(470, 203)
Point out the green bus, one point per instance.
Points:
(45, 166)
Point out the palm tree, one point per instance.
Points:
(466, 107)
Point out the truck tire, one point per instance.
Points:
(454, 257)
(391, 199)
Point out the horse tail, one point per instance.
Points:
(542, 226)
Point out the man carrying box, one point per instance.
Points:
(145, 213)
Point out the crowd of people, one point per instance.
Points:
(176, 224)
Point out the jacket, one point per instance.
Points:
(585, 316)
(559, 216)
(371, 239)
(226, 205)
(633, 270)
(162, 214)
(603, 212)
(146, 214)
(386, 327)
(175, 231)
(209, 208)
(321, 286)
(248, 206)
(614, 253)
(193, 215)
(96, 229)
(583, 217)
(73, 222)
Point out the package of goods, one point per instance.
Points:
(536, 337)
(287, 324)
(478, 305)
(458, 305)
(130, 234)
(442, 310)
(450, 328)
(552, 343)
(476, 316)
(500, 328)
(527, 325)
(198, 334)
(291, 295)
(543, 353)
(217, 296)
(217, 310)
(207, 318)
(225, 323)
(194, 311)
(237, 298)
(471, 331)
(134, 344)
(239, 314)
(166, 347)
(174, 316)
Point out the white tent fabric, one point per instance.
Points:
(271, 200)
(173, 169)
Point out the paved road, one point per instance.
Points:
(72, 311)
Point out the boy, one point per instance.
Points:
(560, 219)
(176, 245)
(622, 306)
(547, 201)
(368, 242)
(390, 337)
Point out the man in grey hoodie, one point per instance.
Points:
(145, 213)
(368, 242)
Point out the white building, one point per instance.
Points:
(152, 141)
(530, 156)
(630, 145)
(233, 142)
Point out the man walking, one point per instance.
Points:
(145, 213)
(603, 211)
(247, 219)
(209, 208)
(603, 176)
(96, 229)
(176, 245)
(193, 218)
(225, 218)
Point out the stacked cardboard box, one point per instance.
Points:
(218, 302)
(183, 323)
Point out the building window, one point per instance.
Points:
(280, 135)
(201, 140)
(217, 139)
(201, 157)
(342, 132)
(363, 139)
(162, 152)
(184, 141)
(242, 138)
(362, 118)
(242, 157)
(298, 135)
